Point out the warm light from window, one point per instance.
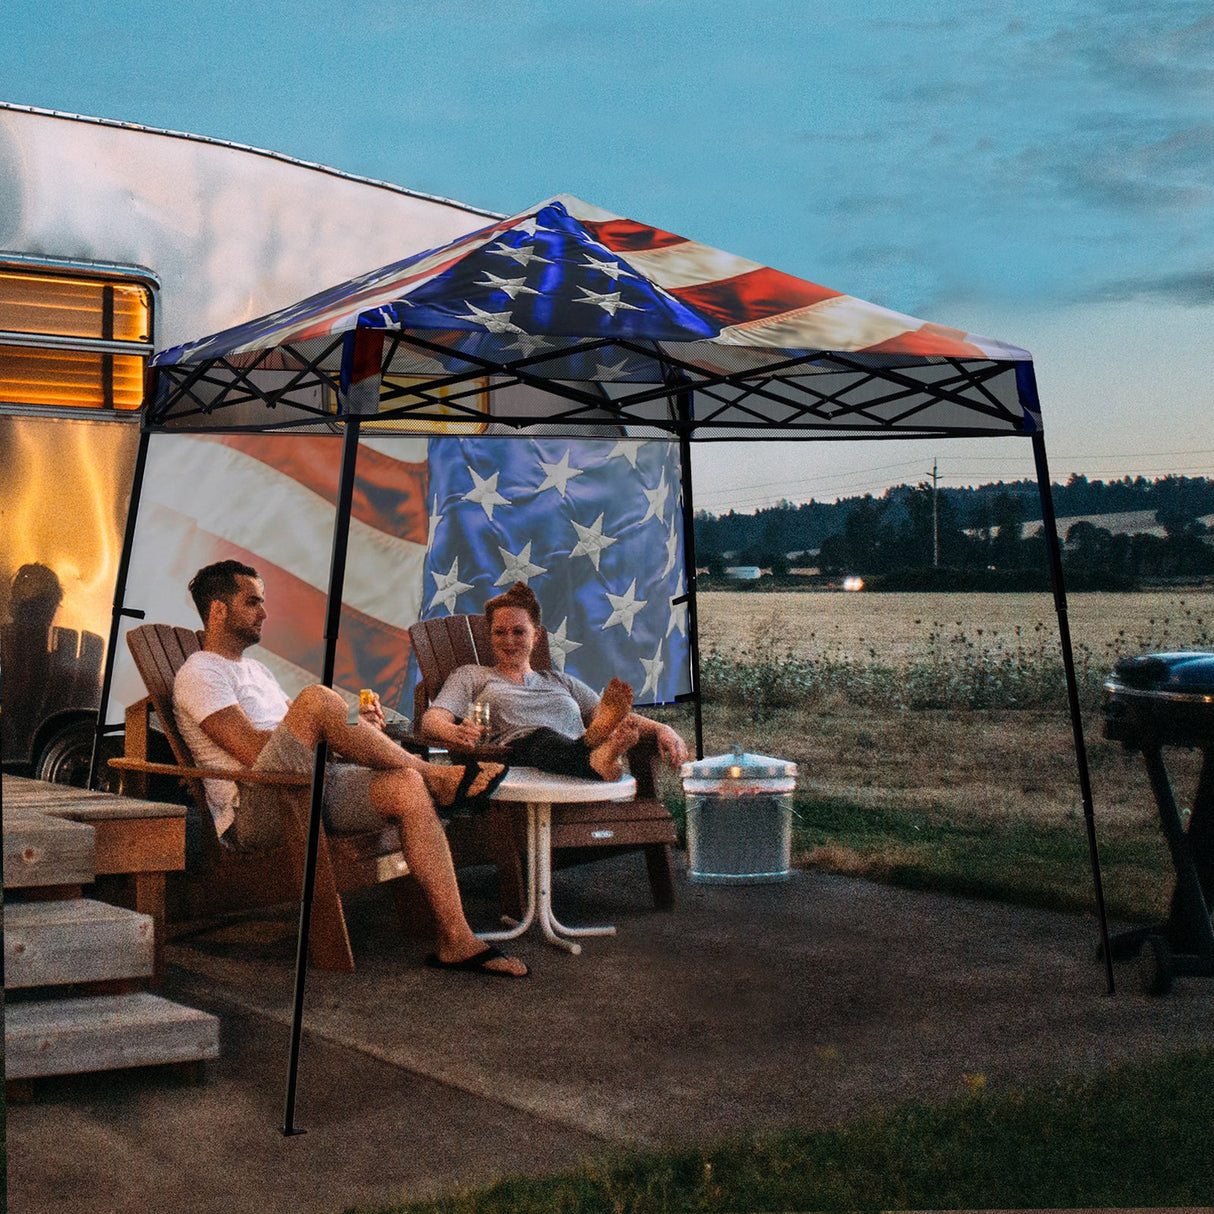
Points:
(66, 378)
(443, 419)
(38, 367)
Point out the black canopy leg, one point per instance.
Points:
(1072, 690)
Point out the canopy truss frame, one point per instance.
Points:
(178, 398)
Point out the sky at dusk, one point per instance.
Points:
(1045, 177)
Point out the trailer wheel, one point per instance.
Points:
(66, 756)
(1155, 966)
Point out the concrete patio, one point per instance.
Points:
(748, 1009)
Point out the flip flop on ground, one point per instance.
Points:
(478, 963)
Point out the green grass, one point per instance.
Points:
(1030, 863)
(1133, 1136)
(1027, 863)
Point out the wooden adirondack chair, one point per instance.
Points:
(228, 879)
(580, 832)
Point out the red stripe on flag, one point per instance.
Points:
(931, 339)
(624, 235)
(367, 355)
(369, 652)
(756, 295)
(389, 494)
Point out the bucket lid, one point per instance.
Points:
(739, 765)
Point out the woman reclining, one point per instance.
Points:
(550, 720)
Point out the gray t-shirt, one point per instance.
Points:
(546, 697)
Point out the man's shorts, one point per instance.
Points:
(347, 800)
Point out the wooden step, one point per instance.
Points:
(103, 1033)
(41, 850)
(74, 940)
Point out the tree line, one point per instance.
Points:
(974, 538)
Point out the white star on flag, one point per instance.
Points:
(484, 492)
(560, 646)
(624, 608)
(672, 546)
(527, 344)
(653, 672)
(494, 322)
(511, 286)
(678, 611)
(518, 566)
(610, 371)
(612, 269)
(449, 588)
(529, 226)
(609, 301)
(657, 500)
(524, 256)
(558, 476)
(591, 541)
(628, 448)
(435, 518)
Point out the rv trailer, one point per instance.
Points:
(116, 240)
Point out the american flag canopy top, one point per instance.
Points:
(594, 528)
(575, 304)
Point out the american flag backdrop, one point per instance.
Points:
(268, 500)
(594, 528)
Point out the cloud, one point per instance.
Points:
(1134, 165)
(1159, 49)
(1193, 288)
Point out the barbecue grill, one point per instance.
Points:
(1153, 701)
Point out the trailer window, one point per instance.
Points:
(73, 341)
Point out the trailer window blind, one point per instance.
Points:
(74, 341)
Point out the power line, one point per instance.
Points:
(863, 482)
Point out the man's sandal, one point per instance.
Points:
(465, 803)
(478, 963)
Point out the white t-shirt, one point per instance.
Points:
(206, 683)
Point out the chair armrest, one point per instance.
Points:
(643, 761)
(285, 779)
(420, 703)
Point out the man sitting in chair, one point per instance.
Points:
(233, 714)
(550, 720)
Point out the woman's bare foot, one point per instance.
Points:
(445, 782)
(614, 706)
(608, 759)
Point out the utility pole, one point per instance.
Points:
(935, 518)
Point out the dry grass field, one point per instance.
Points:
(995, 769)
(893, 627)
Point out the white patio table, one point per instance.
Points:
(539, 791)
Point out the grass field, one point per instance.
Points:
(1128, 1138)
(895, 627)
(969, 784)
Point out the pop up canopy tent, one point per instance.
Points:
(568, 320)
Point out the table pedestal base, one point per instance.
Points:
(539, 889)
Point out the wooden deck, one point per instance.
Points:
(71, 961)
